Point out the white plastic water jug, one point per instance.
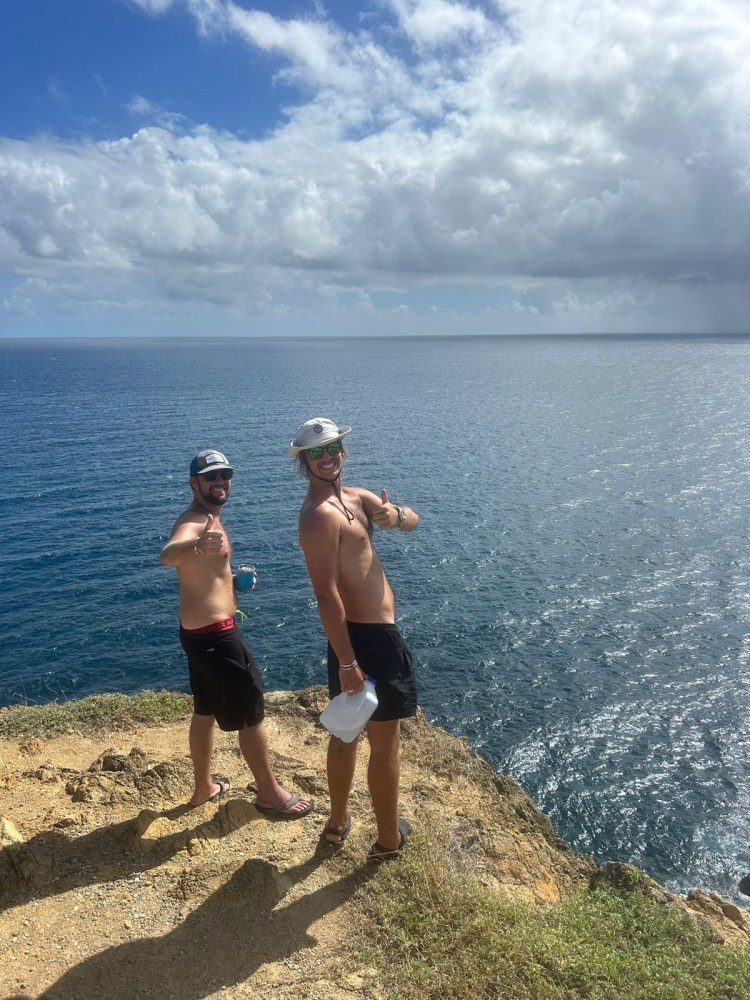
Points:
(345, 715)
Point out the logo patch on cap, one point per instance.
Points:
(213, 457)
(318, 428)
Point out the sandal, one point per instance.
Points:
(335, 845)
(378, 854)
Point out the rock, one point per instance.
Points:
(155, 830)
(234, 814)
(46, 773)
(164, 782)
(730, 922)
(65, 822)
(8, 833)
(115, 778)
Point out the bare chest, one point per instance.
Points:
(356, 530)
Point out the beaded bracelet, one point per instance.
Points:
(348, 666)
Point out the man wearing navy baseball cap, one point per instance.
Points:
(226, 685)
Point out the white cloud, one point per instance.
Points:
(55, 90)
(596, 153)
(154, 6)
(430, 23)
(601, 305)
(142, 107)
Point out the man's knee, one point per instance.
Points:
(251, 734)
(384, 737)
(249, 727)
(342, 749)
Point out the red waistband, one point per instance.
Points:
(216, 627)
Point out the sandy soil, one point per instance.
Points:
(111, 887)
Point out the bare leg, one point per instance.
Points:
(383, 777)
(342, 758)
(254, 747)
(201, 746)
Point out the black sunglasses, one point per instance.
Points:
(211, 477)
(333, 449)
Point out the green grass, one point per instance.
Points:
(94, 714)
(434, 933)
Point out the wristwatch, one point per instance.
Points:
(401, 515)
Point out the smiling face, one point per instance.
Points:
(324, 462)
(213, 492)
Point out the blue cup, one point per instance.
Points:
(244, 579)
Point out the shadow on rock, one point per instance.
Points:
(52, 862)
(223, 941)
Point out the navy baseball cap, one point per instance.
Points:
(207, 460)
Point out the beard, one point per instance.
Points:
(206, 495)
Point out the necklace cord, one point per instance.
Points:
(335, 485)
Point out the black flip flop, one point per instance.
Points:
(281, 812)
(223, 789)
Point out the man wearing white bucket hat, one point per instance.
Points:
(357, 609)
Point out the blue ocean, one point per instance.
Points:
(577, 597)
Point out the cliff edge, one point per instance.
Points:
(110, 886)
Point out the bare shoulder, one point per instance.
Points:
(188, 516)
(316, 515)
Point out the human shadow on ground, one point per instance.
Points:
(221, 943)
(52, 863)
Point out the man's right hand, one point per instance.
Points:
(210, 542)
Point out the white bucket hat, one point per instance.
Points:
(316, 433)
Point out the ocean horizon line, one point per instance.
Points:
(232, 338)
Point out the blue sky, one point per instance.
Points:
(393, 167)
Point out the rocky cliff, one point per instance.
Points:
(110, 886)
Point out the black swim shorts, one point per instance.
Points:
(223, 678)
(383, 655)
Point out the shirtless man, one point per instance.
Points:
(226, 686)
(357, 609)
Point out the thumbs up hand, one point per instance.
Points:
(386, 516)
(211, 541)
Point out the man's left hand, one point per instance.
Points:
(352, 681)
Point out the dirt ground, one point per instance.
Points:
(111, 887)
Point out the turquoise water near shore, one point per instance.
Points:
(576, 598)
